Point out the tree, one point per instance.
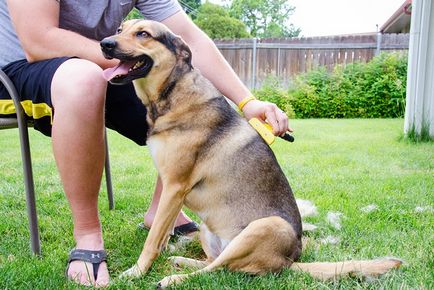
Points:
(215, 21)
(134, 14)
(191, 7)
(265, 18)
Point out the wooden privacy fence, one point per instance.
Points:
(255, 59)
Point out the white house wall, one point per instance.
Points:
(419, 113)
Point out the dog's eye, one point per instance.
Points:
(119, 30)
(143, 34)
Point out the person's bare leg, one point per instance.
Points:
(150, 213)
(78, 95)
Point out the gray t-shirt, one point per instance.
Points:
(93, 19)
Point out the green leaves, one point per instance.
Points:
(375, 89)
(360, 90)
(265, 18)
(216, 22)
(271, 91)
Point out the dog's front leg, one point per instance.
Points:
(171, 201)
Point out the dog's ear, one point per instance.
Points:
(182, 50)
(175, 44)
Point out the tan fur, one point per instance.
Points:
(328, 271)
(212, 161)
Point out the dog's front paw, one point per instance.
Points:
(133, 272)
(170, 281)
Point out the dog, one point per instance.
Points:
(212, 161)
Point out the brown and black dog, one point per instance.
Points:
(212, 161)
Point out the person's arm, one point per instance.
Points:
(213, 66)
(37, 25)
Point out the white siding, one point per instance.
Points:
(419, 112)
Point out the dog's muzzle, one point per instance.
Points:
(129, 67)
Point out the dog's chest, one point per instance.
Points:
(172, 157)
(162, 152)
(154, 145)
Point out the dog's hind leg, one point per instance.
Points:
(263, 246)
(187, 262)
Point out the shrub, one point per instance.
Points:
(271, 91)
(360, 90)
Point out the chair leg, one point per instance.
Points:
(30, 190)
(27, 164)
(108, 177)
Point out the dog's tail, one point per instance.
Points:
(329, 270)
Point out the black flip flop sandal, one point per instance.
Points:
(185, 229)
(181, 230)
(94, 257)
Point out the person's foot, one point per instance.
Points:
(82, 272)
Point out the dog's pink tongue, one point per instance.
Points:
(121, 69)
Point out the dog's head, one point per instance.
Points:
(144, 48)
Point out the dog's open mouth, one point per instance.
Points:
(128, 70)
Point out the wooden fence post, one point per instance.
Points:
(379, 37)
(278, 63)
(254, 47)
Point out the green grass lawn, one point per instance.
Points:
(340, 165)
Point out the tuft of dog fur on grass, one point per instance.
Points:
(306, 208)
(427, 208)
(334, 218)
(330, 240)
(369, 208)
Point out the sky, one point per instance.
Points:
(335, 17)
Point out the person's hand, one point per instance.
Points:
(267, 112)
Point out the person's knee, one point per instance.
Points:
(78, 85)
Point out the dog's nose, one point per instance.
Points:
(108, 44)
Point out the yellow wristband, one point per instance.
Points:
(245, 101)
